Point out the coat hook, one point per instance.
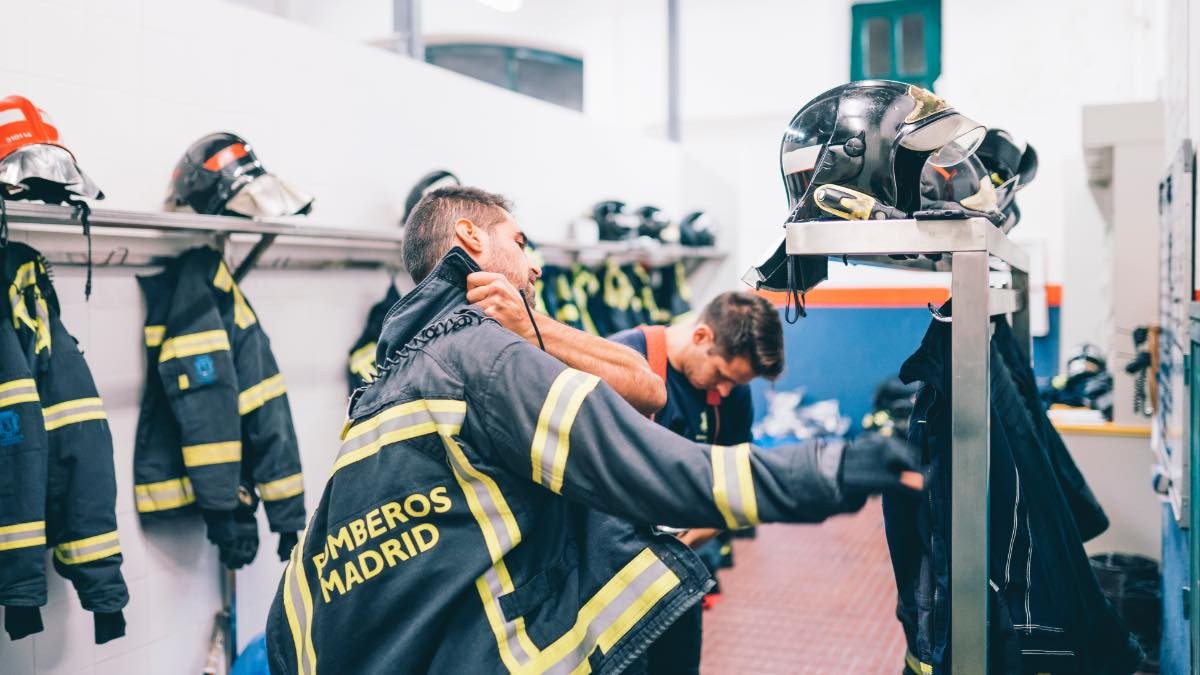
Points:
(938, 316)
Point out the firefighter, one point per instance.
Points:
(491, 507)
(707, 364)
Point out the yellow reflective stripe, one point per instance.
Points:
(193, 345)
(283, 488)
(608, 615)
(917, 666)
(257, 396)
(733, 485)
(164, 495)
(87, 550)
(23, 535)
(154, 335)
(400, 423)
(542, 430)
(13, 392)
(487, 502)
(212, 453)
(223, 280)
(298, 606)
(746, 484)
(552, 436)
(73, 412)
(365, 351)
(720, 489)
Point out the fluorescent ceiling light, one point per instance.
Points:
(503, 5)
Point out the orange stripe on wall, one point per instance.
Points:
(884, 297)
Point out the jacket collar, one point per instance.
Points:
(442, 291)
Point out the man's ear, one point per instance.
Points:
(468, 235)
(702, 335)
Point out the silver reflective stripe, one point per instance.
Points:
(629, 598)
(297, 603)
(492, 579)
(733, 485)
(552, 435)
(68, 412)
(411, 419)
(89, 549)
(18, 391)
(22, 535)
(491, 510)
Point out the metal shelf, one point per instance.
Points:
(969, 250)
(139, 238)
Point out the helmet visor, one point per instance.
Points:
(51, 168)
(951, 139)
(267, 196)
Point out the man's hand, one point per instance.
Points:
(875, 463)
(698, 536)
(500, 300)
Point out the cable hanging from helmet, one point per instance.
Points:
(3, 222)
(85, 213)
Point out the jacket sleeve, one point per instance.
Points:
(195, 365)
(572, 434)
(22, 491)
(81, 505)
(272, 451)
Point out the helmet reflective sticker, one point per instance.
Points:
(927, 103)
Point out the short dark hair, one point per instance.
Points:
(429, 231)
(744, 324)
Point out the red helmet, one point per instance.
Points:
(34, 164)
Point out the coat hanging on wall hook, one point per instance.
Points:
(938, 316)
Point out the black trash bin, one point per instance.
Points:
(1132, 584)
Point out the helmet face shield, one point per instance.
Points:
(45, 172)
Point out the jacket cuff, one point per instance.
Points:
(109, 626)
(21, 622)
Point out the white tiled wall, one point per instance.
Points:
(131, 83)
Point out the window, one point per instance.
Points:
(549, 76)
(897, 40)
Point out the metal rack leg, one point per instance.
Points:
(969, 463)
(1020, 320)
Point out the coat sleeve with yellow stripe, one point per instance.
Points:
(23, 457)
(569, 432)
(195, 365)
(81, 505)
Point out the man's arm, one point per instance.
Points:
(569, 432)
(621, 367)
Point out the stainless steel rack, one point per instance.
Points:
(140, 238)
(970, 250)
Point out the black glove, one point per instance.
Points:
(287, 541)
(109, 626)
(235, 532)
(873, 464)
(21, 622)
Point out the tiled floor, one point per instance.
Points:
(808, 599)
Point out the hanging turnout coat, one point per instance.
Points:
(491, 510)
(57, 488)
(215, 413)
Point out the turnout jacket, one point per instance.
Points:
(491, 510)
(215, 412)
(1047, 611)
(57, 484)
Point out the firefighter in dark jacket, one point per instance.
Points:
(58, 487)
(490, 508)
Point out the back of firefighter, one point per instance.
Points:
(707, 364)
(490, 508)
